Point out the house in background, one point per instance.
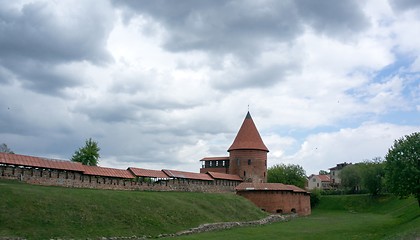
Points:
(335, 174)
(322, 182)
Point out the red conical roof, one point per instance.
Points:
(248, 137)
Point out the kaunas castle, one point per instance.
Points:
(243, 172)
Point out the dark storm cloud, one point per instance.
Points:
(37, 37)
(40, 77)
(334, 18)
(36, 31)
(405, 4)
(241, 27)
(244, 29)
(259, 77)
(220, 26)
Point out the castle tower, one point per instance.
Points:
(248, 153)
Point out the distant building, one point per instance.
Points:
(335, 174)
(322, 182)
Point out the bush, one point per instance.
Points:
(315, 197)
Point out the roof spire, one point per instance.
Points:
(248, 137)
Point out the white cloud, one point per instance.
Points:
(321, 151)
(158, 91)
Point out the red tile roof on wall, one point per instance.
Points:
(214, 158)
(37, 162)
(107, 172)
(248, 137)
(187, 175)
(268, 187)
(224, 176)
(141, 172)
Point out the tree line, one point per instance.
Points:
(398, 173)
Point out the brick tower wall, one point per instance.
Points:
(250, 165)
(285, 202)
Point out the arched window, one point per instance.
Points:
(244, 173)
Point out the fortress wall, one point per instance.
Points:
(51, 177)
(285, 202)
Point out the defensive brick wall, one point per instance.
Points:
(285, 202)
(52, 177)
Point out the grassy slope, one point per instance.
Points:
(38, 212)
(339, 217)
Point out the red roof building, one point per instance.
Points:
(248, 137)
(247, 155)
(319, 181)
(277, 197)
(214, 164)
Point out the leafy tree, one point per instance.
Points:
(315, 197)
(5, 149)
(402, 166)
(323, 172)
(87, 155)
(287, 174)
(372, 176)
(350, 178)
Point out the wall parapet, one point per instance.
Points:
(54, 177)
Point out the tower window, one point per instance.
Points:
(244, 173)
(217, 163)
(238, 162)
(211, 163)
(249, 161)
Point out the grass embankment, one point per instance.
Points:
(39, 212)
(339, 217)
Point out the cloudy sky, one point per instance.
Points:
(162, 84)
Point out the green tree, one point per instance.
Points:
(5, 149)
(372, 176)
(402, 167)
(287, 174)
(350, 178)
(323, 172)
(315, 197)
(87, 155)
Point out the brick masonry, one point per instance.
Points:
(284, 202)
(50, 177)
(250, 165)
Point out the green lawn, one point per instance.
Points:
(339, 217)
(39, 212)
